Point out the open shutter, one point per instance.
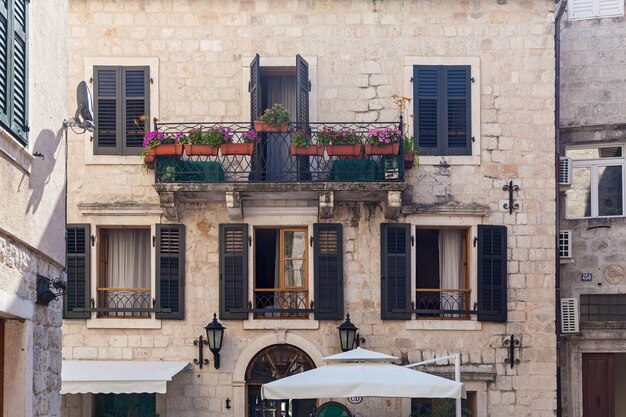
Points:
(170, 270)
(4, 66)
(492, 282)
(328, 271)
(302, 93)
(233, 271)
(106, 99)
(19, 124)
(77, 267)
(395, 271)
(426, 92)
(136, 104)
(254, 87)
(457, 134)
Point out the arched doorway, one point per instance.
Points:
(272, 363)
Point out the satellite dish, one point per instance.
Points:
(84, 110)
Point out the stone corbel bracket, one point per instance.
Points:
(393, 204)
(170, 205)
(326, 204)
(234, 206)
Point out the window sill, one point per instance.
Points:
(460, 324)
(91, 159)
(15, 151)
(123, 323)
(566, 261)
(451, 160)
(271, 324)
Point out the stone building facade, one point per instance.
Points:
(591, 211)
(198, 63)
(32, 208)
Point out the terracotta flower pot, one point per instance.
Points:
(310, 150)
(389, 149)
(168, 150)
(409, 160)
(237, 148)
(262, 127)
(148, 158)
(344, 150)
(201, 150)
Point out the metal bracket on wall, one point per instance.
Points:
(511, 343)
(511, 205)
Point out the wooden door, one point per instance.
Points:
(598, 385)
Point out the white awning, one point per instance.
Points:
(117, 377)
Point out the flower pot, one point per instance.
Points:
(344, 150)
(237, 148)
(409, 160)
(262, 127)
(148, 158)
(388, 149)
(201, 150)
(310, 150)
(168, 149)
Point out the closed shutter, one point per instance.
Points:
(4, 62)
(610, 8)
(19, 124)
(456, 133)
(582, 9)
(492, 282)
(170, 271)
(136, 107)
(77, 268)
(328, 271)
(233, 271)
(395, 271)
(426, 121)
(254, 87)
(106, 102)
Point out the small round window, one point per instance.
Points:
(333, 409)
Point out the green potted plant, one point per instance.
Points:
(245, 147)
(409, 146)
(157, 143)
(207, 142)
(410, 151)
(275, 119)
(340, 142)
(383, 141)
(301, 145)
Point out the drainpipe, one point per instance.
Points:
(560, 8)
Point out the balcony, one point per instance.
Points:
(274, 169)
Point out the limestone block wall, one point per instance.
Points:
(363, 52)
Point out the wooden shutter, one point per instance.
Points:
(395, 271)
(106, 107)
(19, 123)
(302, 112)
(4, 63)
(254, 87)
(427, 114)
(78, 264)
(233, 271)
(136, 99)
(492, 282)
(610, 8)
(170, 270)
(328, 271)
(457, 128)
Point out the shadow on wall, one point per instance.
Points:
(47, 143)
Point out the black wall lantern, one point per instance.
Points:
(49, 289)
(215, 336)
(348, 336)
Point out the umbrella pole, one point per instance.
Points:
(457, 378)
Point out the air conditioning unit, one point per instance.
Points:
(565, 171)
(565, 244)
(569, 316)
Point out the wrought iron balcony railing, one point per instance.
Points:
(124, 302)
(272, 158)
(442, 303)
(280, 303)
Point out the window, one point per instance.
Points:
(442, 109)
(122, 405)
(597, 188)
(123, 281)
(589, 9)
(121, 101)
(602, 307)
(279, 276)
(442, 278)
(442, 282)
(14, 68)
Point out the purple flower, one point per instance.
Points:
(153, 135)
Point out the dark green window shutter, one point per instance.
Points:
(233, 271)
(4, 64)
(328, 271)
(107, 100)
(136, 99)
(254, 87)
(170, 270)
(442, 108)
(395, 271)
(77, 267)
(492, 285)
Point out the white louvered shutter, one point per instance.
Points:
(589, 9)
(608, 8)
(565, 171)
(569, 315)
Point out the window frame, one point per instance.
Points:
(594, 165)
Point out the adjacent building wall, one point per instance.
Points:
(363, 53)
(32, 223)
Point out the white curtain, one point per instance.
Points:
(129, 258)
(451, 268)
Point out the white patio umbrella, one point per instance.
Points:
(362, 373)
